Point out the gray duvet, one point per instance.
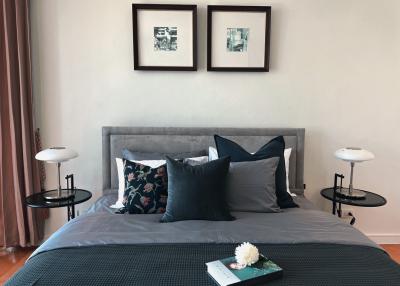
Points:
(100, 226)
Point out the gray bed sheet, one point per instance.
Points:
(104, 202)
(100, 226)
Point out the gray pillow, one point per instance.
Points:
(139, 156)
(251, 186)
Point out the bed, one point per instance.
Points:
(103, 248)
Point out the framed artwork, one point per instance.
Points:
(164, 37)
(238, 38)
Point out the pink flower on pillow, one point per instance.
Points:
(148, 187)
(160, 172)
(145, 201)
(131, 176)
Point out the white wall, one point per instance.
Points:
(334, 70)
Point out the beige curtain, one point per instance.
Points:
(19, 172)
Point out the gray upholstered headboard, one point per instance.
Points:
(172, 139)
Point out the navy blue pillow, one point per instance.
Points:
(274, 148)
(197, 192)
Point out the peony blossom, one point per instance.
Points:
(246, 254)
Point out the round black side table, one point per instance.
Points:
(38, 201)
(370, 200)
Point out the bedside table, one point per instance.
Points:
(370, 200)
(38, 201)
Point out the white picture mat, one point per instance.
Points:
(147, 20)
(255, 55)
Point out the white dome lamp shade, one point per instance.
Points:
(57, 155)
(353, 155)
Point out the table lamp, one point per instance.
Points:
(353, 155)
(57, 155)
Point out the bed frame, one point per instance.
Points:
(174, 139)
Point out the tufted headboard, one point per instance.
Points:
(176, 139)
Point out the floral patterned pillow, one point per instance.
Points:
(145, 189)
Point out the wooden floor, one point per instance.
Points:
(393, 250)
(10, 262)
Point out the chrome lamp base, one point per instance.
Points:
(350, 193)
(353, 194)
(59, 193)
(56, 195)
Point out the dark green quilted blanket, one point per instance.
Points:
(184, 264)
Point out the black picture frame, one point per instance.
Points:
(224, 8)
(136, 58)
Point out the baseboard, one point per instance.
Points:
(391, 238)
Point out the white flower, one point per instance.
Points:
(246, 254)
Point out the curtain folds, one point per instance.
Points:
(19, 171)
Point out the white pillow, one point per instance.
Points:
(120, 166)
(213, 155)
(287, 153)
(196, 160)
(151, 163)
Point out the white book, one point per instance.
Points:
(221, 274)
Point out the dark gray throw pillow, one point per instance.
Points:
(274, 148)
(197, 192)
(251, 186)
(139, 156)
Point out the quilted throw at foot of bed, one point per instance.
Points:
(184, 264)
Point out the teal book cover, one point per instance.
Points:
(262, 267)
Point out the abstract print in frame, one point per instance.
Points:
(238, 38)
(164, 37)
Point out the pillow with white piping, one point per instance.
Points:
(121, 183)
(213, 155)
(152, 164)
